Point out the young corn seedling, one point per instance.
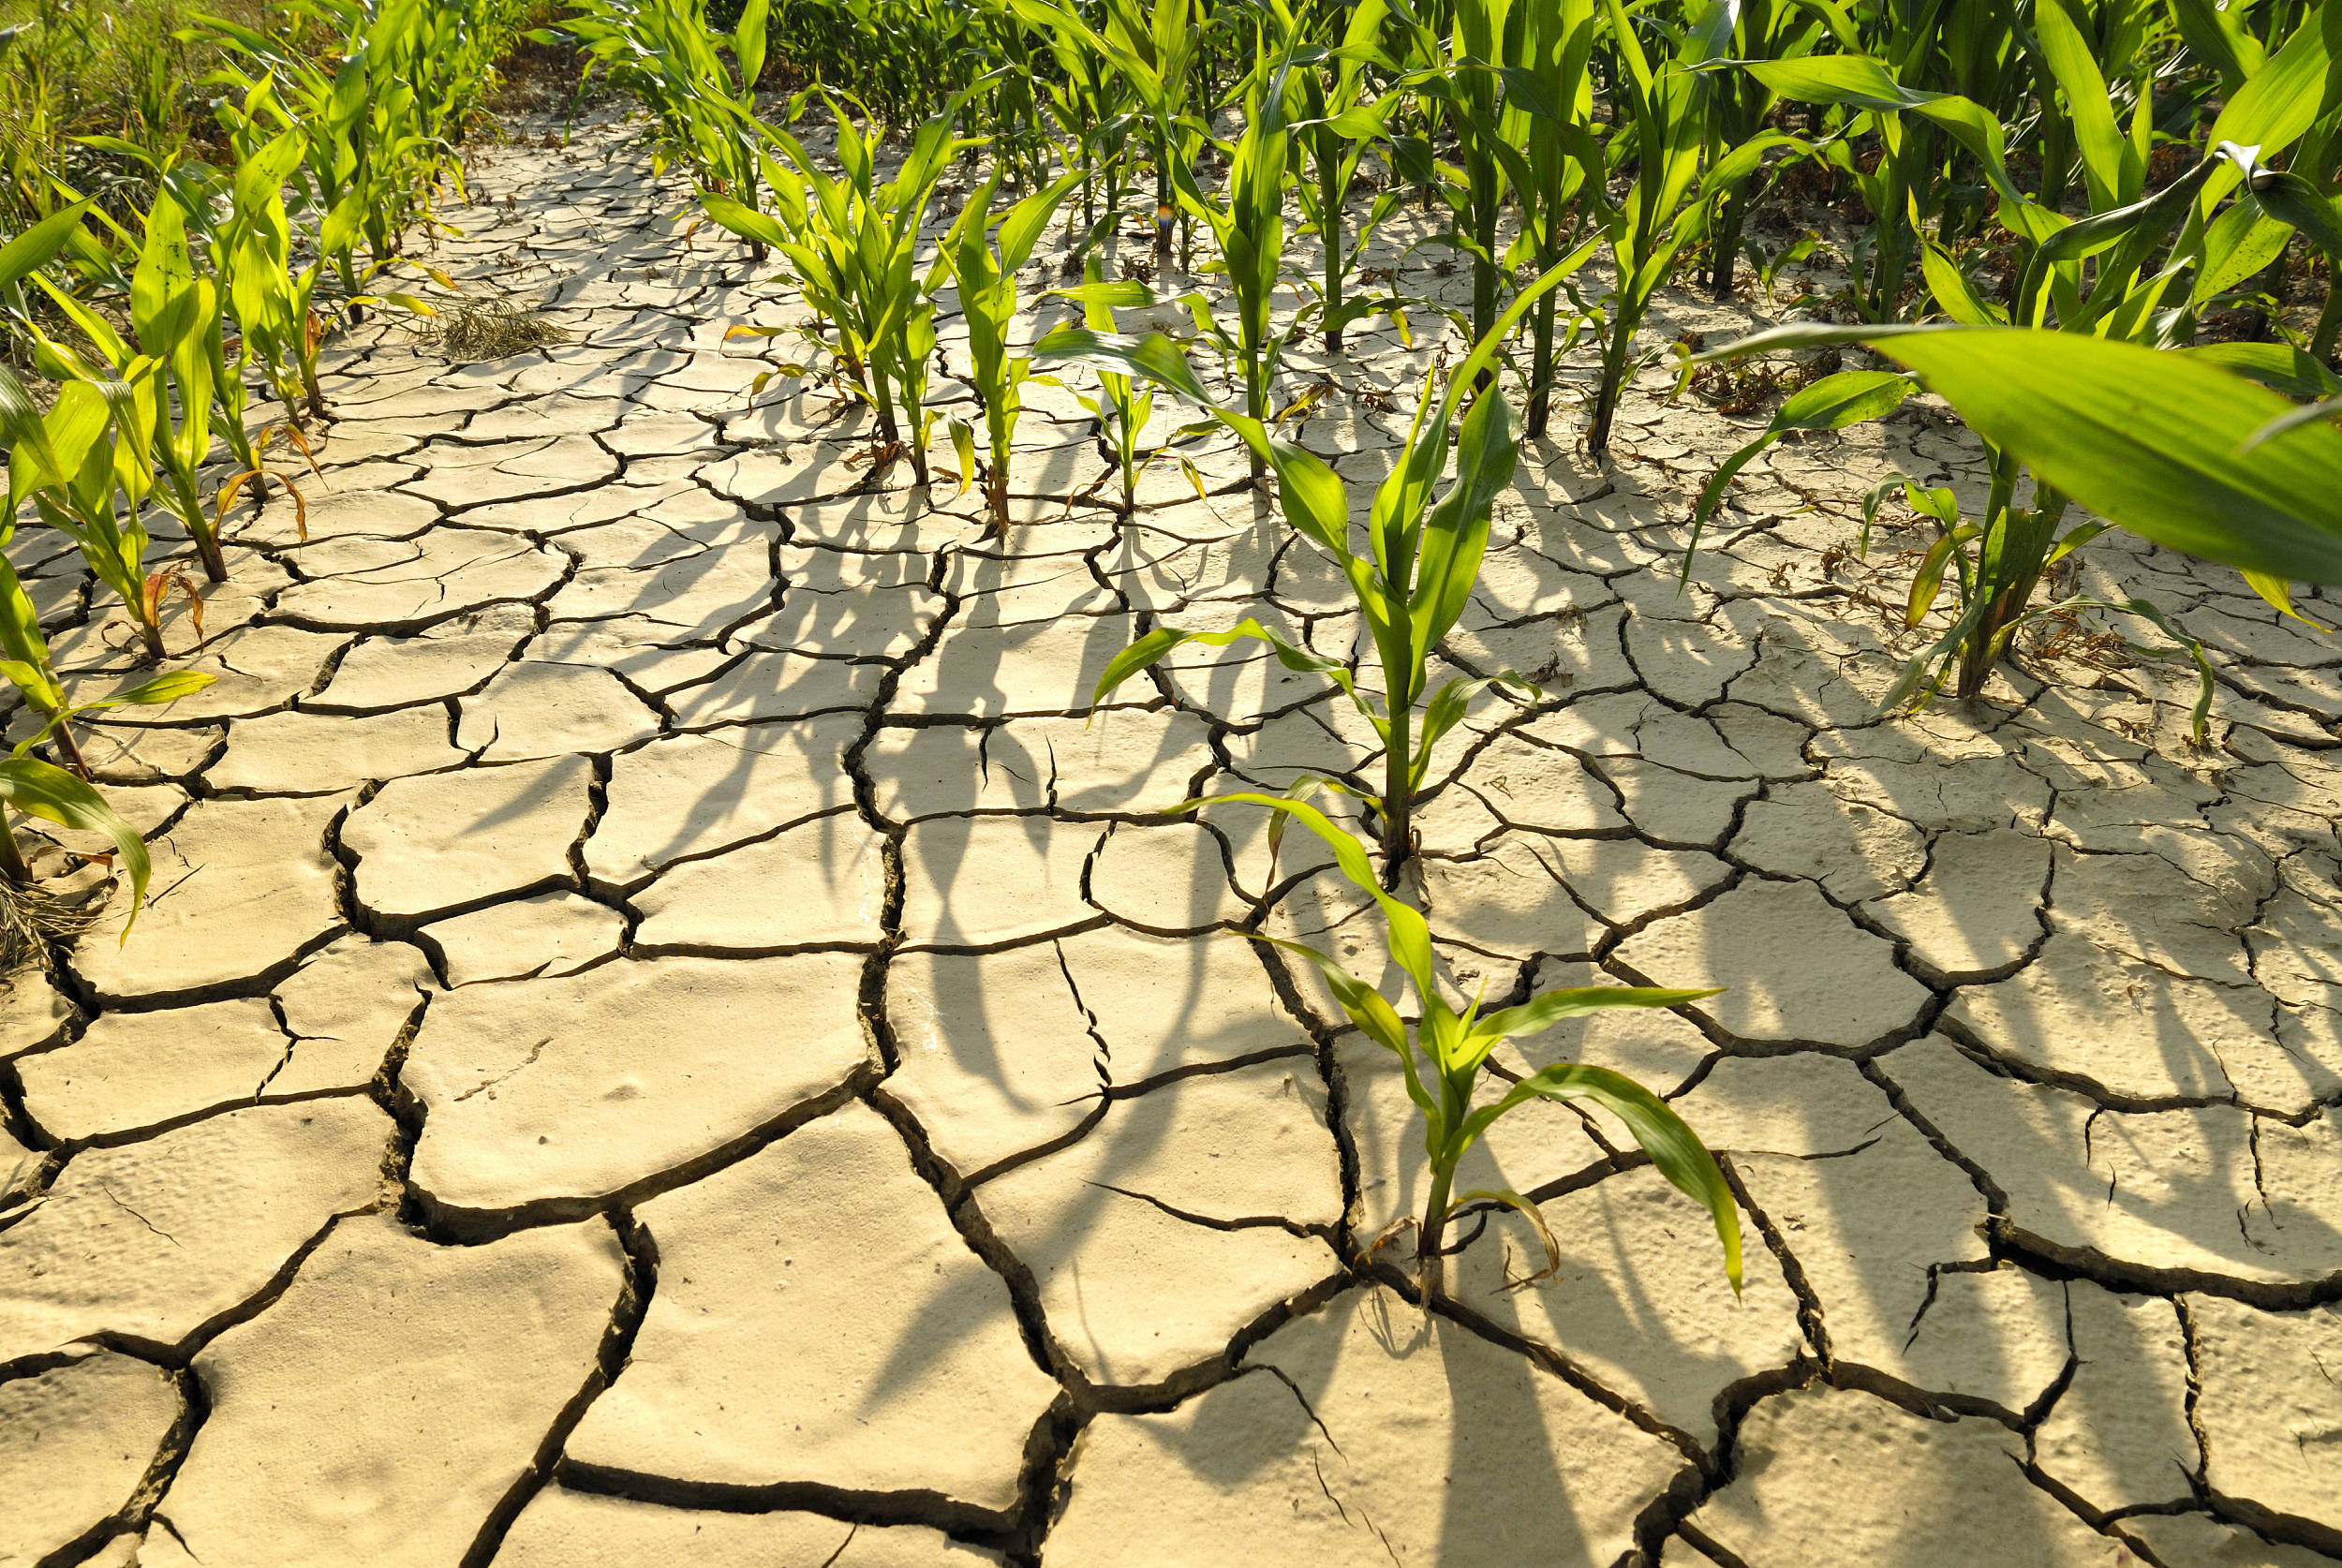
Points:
(251, 252)
(986, 270)
(92, 447)
(1333, 128)
(24, 662)
(1122, 409)
(1418, 575)
(1444, 1056)
(852, 242)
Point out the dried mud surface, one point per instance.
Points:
(663, 1035)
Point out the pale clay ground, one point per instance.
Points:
(661, 1033)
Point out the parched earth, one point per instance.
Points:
(664, 1034)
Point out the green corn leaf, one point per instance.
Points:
(1367, 1007)
(2292, 200)
(1542, 1012)
(39, 245)
(1447, 709)
(1410, 938)
(747, 42)
(2279, 366)
(169, 686)
(161, 287)
(745, 221)
(2283, 99)
(2108, 162)
(1144, 652)
(1953, 291)
(2215, 37)
(1928, 581)
(1674, 1149)
(53, 794)
(2154, 441)
(2236, 244)
(1456, 530)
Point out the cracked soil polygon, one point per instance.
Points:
(393, 1396)
(820, 1322)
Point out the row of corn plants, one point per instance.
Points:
(2041, 211)
(173, 294)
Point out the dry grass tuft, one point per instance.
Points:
(32, 916)
(469, 329)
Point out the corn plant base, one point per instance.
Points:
(715, 964)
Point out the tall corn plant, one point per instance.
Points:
(664, 52)
(1333, 124)
(1669, 204)
(1155, 47)
(87, 468)
(1549, 104)
(2136, 268)
(1246, 216)
(1465, 76)
(1445, 1054)
(852, 242)
(985, 263)
(164, 379)
(1422, 559)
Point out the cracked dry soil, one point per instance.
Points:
(664, 1036)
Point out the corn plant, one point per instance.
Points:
(279, 332)
(1669, 204)
(1738, 104)
(91, 450)
(42, 790)
(166, 375)
(664, 52)
(851, 241)
(1122, 409)
(1246, 216)
(377, 129)
(1090, 101)
(1155, 48)
(1333, 128)
(986, 269)
(2165, 445)
(927, 42)
(1423, 557)
(1445, 1053)
(1548, 103)
(1460, 76)
(24, 662)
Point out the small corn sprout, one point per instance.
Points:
(1445, 1053)
(986, 270)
